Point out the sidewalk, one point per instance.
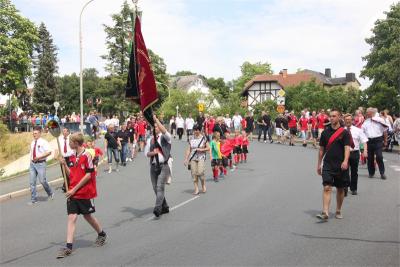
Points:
(19, 185)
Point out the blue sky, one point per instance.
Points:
(214, 38)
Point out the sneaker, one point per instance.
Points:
(157, 212)
(31, 203)
(271, 141)
(165, 210)
(109, 170)
(51, 197)
(100, 240)
(370, 176)
(383, 177)
(338, 215)
(265, 141)
(64, 252)
(322, 216)
(354, 193)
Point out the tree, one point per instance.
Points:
(69, 89)
(187, 103)
(219, 89)
(45, 90)
(184, 73)
(249, 70)
(118, 37)
(17, 38)
(383, 62)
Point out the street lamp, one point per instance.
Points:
(80, 62)
(177, 111)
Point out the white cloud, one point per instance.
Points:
(289, 34)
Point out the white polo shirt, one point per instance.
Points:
(189, 123)
(42, 147)
(62, 141)
(180, 123)
(374, 128)
(358, 137)
(236, 121)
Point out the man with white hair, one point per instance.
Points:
(374, 128)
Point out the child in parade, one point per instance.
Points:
(245, 145)
(237, 151)
(229, 160)
(216, 157)
(81, 191)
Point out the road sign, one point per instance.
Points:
(280, 100)
(201, 107)
(280, 108)
(281, 93)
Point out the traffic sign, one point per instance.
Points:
(201, 107)
(280, 100)
(280, 108)
(281, 93)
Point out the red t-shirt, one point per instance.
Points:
(303, 124)
(321, 120)
(243, 123)
(78, 167)
(313, 122)
(141, 128)
(292, 121)
(238, 140)
(245, 141)
(211, 124)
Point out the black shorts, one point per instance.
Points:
(141, 138)
(293, 131)
(244, 149)
(225, 162)
(314, 133)
(216, 162)
(338, 179)
(237, 150)
(80, 206)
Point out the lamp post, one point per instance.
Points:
(177, 111)
(80, 63)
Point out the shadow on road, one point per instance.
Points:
(347, 239)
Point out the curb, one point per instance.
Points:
(25, 191)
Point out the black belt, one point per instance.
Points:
(375, 139)
(40, 161)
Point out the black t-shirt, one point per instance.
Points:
(278, 122)
(111, 140)
(200, 121)
(285, 123)
(249, 123)
(267, 120)
(124, 135)
(334, 157)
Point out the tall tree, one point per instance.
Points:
(118, 37)
(383, 62)
(45, 90)
(219, 88)
(249, 70)
(17, 38)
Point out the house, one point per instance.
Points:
(193, 83)
(266, 86)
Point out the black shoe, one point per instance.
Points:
(157, 211)
(164, 210)
(271, 141)
(370, 176)
(345, 192)
(304, 145)
(383, 176)
(354, 192)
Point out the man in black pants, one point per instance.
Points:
(267, 128)
(376, 131)
(334, 151)
(358, 137)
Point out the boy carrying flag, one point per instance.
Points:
(81, 190)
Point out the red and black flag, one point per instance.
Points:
(141, 85)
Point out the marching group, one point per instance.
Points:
(342, 139)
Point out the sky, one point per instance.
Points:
(214, 37)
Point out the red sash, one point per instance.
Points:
(333, 138)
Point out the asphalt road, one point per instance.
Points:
(262, 214)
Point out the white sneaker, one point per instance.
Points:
(51, 197)
(109, 170)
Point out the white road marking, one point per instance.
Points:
(175, 207)
(395, 167)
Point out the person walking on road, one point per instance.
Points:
(334, 156)
(195, 157)
(292, 123)
(123, 138)
(189, 123)
(180, 125)
(358, 137)
(81, 191)
(112, 145)
(375, 129)
(159, 152)
(40, 150)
